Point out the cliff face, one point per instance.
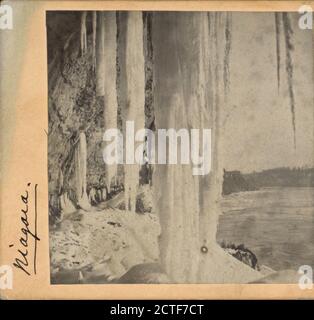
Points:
(73, 108)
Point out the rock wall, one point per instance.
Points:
(73, 106)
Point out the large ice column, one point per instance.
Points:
(219, 44)
(80, 172)
(106, 56)
(132, 88)
(189, 54)
(179, 102)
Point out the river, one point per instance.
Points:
(277, 224)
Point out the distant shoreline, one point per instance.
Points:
(236, 181)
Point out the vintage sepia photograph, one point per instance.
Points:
(180, 147)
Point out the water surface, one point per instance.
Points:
(277, 224)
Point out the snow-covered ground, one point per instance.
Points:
(107, 242)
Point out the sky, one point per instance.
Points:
(258, 131)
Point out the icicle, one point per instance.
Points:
(226, 71)
(81, 277)
(66, 205)
(104, 194)
(106, 54)
(83, 33)
(99, 195)
(219, 78)
(277, 26)
(80, 172)
(92, 196)
(288, 32)
(110, 97)
(133, 109)
(100, 55)
(60, 181)
(94, 38)
(218, 108)
(148, 53)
